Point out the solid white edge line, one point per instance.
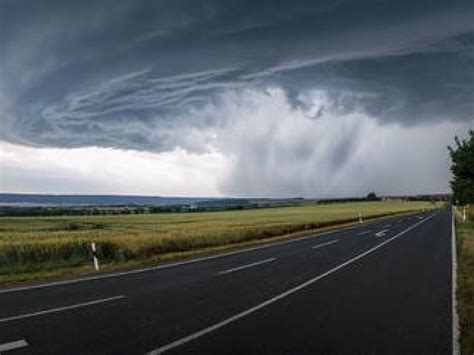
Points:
(317, 246)
(274, 299)
(13, 345)
(455, 320)
(191, 261)
(228, 271)
(60, 309)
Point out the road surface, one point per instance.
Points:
(378, 288)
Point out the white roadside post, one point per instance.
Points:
(94, 256)
(464, 214)
(360, 218)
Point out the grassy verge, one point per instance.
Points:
(465, 290)
(44, 247)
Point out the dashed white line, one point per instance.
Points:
(246, 266)
(13, 345)
(60, 309)
(325, 244)
(283, 295)
(365, 232)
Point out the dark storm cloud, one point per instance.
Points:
(143, 74)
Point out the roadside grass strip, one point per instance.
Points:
(465, 282)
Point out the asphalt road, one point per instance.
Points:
(378, 288)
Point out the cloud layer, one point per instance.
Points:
(267, 148)
(312, 86)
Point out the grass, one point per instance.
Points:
(465, 289)
(42, 247)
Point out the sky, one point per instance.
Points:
(233, 98)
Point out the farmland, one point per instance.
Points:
(40, 247)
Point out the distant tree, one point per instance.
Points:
(462, 167)
(371, 196)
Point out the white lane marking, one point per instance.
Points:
(454, 269)
(325, 244)
(365, 232)
(386, 226)
(246, 266)
(283, 295)
(381, 233)
(13, 345)
(60, 309)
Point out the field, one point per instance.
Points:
(38, 247)
(465, 292)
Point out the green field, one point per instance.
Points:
(33, 247)
(465, 290)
